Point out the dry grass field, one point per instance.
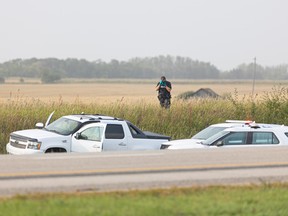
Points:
(24, 104)
(131, 91)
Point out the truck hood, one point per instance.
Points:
(184, 144)
(188, 146)
(38, 134)
(183, 141)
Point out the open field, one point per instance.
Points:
(23, 105)
(105, 91)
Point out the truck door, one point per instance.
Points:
(89, 138)
(115, 139)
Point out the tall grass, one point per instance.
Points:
(184, 118)
(264, 200)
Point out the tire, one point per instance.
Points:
(55, 150)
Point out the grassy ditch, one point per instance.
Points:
(261, 200)
(184, 119)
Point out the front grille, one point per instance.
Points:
(19, 141)
(18, 138)
(16, 144)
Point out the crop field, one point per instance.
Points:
(22, 105)
(107, 91)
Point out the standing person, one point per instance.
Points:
(164, 88)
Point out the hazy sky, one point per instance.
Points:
(225, 33)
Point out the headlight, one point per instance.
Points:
(34, 144)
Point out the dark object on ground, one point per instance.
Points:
(202, 93)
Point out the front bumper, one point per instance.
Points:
(19, 151)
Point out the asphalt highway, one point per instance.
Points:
(113, 171)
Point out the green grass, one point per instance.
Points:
(263, 200)
(184, 119)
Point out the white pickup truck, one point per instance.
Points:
(83, 133)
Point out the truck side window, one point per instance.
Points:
(235, 138)
(264, 138)
(92, 134)
(136, 133)
(114, 131)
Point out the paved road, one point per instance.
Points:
(109, 171)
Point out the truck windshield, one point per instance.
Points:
(63, 126)
(215, 137)
(208, 132)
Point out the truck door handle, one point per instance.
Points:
(96, 146)
(122, 144)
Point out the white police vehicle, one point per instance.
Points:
(233, 134)
(83, 133)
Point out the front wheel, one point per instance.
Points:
(55, 150)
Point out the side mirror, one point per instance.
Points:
(77, 136)
(39, 125)
(220, 143)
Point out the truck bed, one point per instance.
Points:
(151, 135)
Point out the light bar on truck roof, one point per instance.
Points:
(240, 121)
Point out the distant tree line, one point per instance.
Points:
(52, 69)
